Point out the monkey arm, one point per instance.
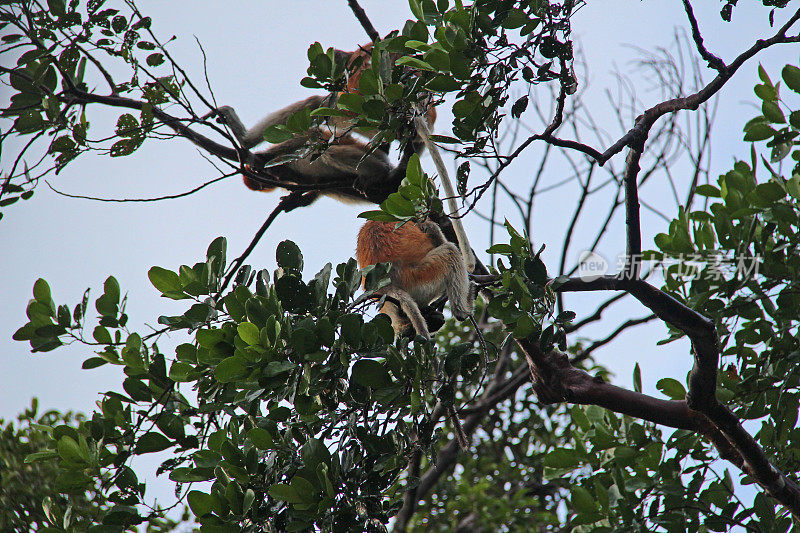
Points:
(463, 243)
(442, 270)
(433, 231)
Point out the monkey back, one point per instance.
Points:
(381, 242)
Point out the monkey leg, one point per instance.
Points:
(249, 138)
(409, 308)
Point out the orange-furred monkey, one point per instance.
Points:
(346, 160)
(425, 266)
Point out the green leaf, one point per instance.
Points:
(151, 442)
(71, 451)
(794, 119)
(293, 293)
(525, 326)
(762, 74)
(371, 373)
(351, 102)
(304, 489)
(93, 362)
(398, 206)
(72, 480)
(287, 493)
(216, 254)
(582, 500)
(352, 324)
(57, 7)
(329, 112)
(637, 378)
(671, 388)
(758, 132)
(40, 456)
(769, 192)
(766, 92)
(41, 292)
(136, 388)
(155, 60)
(102, 335)
(500, 248)
(231, 369)
(708, 190)
(416, 9)
(261, 438)
(562, 458)
(249, 333)
(314, 452)
(166, 281)
(791, 75)
(188, 475)
(793, 186)
(413, 62)
(200, 502)
(773, 112)
(277, 133)
(274, 368)
(179, 371)
(443, 84)
(378, 215)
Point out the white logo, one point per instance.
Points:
(591, 266)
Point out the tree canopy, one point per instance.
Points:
(289, 405)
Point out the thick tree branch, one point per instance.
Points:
(555, 380)
(701, 395)
(632, 223)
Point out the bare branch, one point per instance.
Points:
(713, 61)
(361, 15)
(288, 203)
(586, 352)
(155, 199)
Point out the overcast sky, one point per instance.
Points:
(256, 55)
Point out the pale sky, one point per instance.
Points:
(256, 55)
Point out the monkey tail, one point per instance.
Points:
(458, 429)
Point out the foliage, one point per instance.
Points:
(35, 495)
(285, 408)
(449, 49)
(502, 481)
(31, 492)
(304, 410)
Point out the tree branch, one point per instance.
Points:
(559, 381)
(288, 203)
(632, 224)
(361, 15)
(498, 392)
(713, 61)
